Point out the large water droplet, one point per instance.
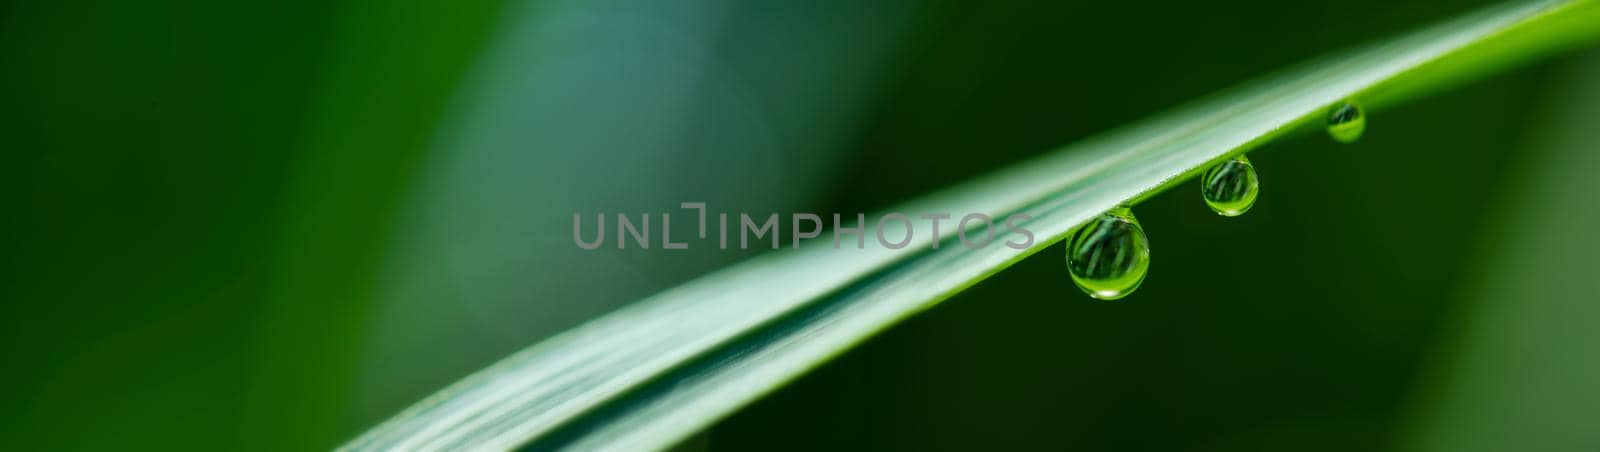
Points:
(1109, 256)
(1230, 187)
(1346, 122)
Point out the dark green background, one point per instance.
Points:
(260, 225)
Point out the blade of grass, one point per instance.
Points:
(650, 374)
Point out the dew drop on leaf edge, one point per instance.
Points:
(1346, 122)
(1230, 187)
(1109, 256)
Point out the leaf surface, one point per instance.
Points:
(649, 375)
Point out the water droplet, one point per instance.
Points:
(1230, 187)
(1346, 122)
(1109, 256)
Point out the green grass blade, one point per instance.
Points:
(655, 372)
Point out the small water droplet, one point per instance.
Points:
(1109, 256)
(1346, 122)
(1230, 187)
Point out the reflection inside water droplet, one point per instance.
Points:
(1346, 123)
(1230, 187)
(1109, 256)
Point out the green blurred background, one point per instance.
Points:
(268, 226)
